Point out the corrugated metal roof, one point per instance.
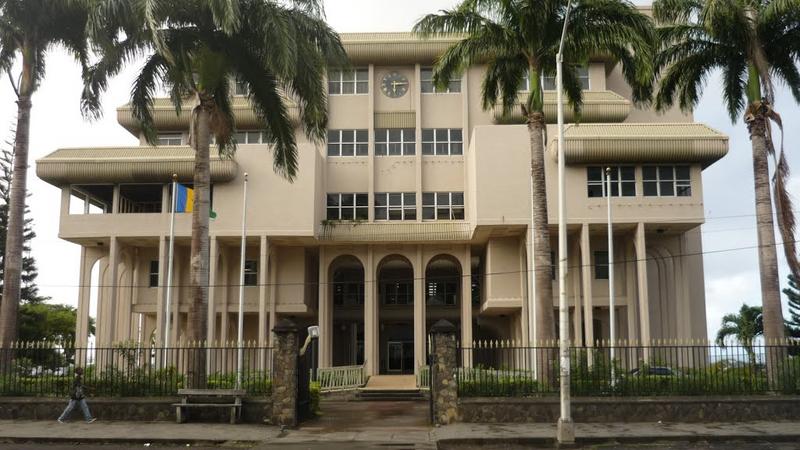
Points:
(598, 106)
(127, 164)
(642, 142)
(395, 231)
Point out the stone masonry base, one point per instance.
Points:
(650, 409)
(255, 410)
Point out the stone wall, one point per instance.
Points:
(254, 410)
(651, 409)
(284, 380)
(444, 389)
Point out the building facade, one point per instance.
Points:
(417, 208)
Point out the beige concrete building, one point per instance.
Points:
(417, 208)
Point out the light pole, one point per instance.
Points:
(611, 293)
(566, 428)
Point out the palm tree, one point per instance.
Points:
(518, 40)
(28, 29)
(745, 326)
(198, 48)
(753, 44)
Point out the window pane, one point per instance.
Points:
(667, 188)
(684, 190)
(595, 190)
(333, 199)
(594, 174)
(362, 74)
(427, 148)
(427, 87)
(347, 199)
(380, 149)
(394, 135)
(362, 87)
(362, 213)
(682, 172)
(333, 136)
(348, 88)
(348, 149)
(650, 188)
(380, 213)
(454, 86)
(456, 149)
(348, 75)
(362, 136)
(458, 213)
(333, 213)
(410, 214)
(628, 189)
(458, 198)
(409, 134)
(628, 173)
(380, 199)
(665, 173)
(443, 213)
(395, 214)
(455, 135)
(362, 199)
(362, 149)
(240, 137)
(395, 149)
(333, 149)
(347, 213)
(442, 198)
(441, 134)
(427, 135)
(428, 213)
(334, 88)
(395, 199)
(410, 198)
(253, 137)
(441, 149)
(380, 134)
(409, 149)
(649, 173)
(427, 198)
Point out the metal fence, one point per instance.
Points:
(497, 370)
(130, 370)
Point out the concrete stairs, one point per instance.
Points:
(393, 388)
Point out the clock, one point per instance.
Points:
(394, 84)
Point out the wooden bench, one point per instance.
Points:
(209, 398)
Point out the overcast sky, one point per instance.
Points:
(731, 275)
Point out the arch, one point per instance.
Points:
(442, 291)
(661, 292)
(346, 294)
(395, 301)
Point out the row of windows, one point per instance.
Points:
(356, 81)
(241, 137)
(600, 265)
(396, 206)
(657, 181)
(549, 81)
(250, 273)
(396, 142)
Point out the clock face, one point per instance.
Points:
(394, 85)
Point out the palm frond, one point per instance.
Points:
(143, 93)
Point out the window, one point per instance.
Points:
(348, 207)
(91, 199)
(251, 273)
(140, 198)
(241, 88)
(347, 143)
(666, 181)
(549, 81)
(397, 292)
(426, 78)
(343, 82)
(442, 292)
(395, 206)
(623, 181)
(152, 277)
(443, 205)
(395, 141)
(248, 137)
(442, 141)
(170, 139)
(601, 265)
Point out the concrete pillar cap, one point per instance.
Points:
(443, 327)
(285, 325)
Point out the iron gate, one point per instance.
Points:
(304, 367)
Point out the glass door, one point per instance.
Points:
(395, 360)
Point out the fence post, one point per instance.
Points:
(444, 390)
(284, 382)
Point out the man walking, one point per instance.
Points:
(77, 397)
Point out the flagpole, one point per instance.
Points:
(241, 285)
(169, 263)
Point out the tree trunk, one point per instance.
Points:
(767, 252)
(198, 309)
(16, 209)
(543, 306)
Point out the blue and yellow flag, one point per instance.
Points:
(184, 201)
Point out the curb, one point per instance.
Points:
(122, 441)
(453, 443)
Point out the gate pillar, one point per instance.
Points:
(444, 391)
(284, 380)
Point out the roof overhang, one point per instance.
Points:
(642, 143)
(127, 165)
(165, 117)
(598, 106)
(352, 232)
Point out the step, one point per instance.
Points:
(390, 395)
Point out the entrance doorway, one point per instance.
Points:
(396, 316)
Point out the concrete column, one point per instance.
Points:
(587, 276)
(641, 273)
(161, 289)
(371, 324)
(466, 301)
(325, 316)
(284, 378)
(444, 391)
(213, 252)
(420, 335)
(273, 294)
(371, 144)
(84, 299)
(113, 291)
(577, 315)
(630, 289)
(263, 259)
(125, 310)
(418, 142)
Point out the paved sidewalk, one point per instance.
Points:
(415, 436)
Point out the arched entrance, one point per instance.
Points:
(347, 297)
(396, 315)
(443, 292)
